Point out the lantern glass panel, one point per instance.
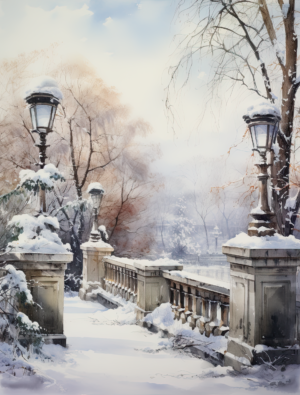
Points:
(271, 136)
(261, 133)
(33, 119)
(96, 199)
(43, 113)
(52, 117)
(252, 131)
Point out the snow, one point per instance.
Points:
(263, 108)
(290, 202)
(96, 186)
(26, 321)
(145, 262)
(257, 210)
(199, 278)
(277, 241)
(46, 176)
(99, 244)
(104, 356)
(15, 279)
(102, 228)
(35, 235)
(44, 84)
(163, 318)
(218, 272)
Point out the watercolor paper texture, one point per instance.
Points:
(149, 197)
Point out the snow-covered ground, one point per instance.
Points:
(109, 354)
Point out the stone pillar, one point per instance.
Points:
(262, 305)
(45, 272)
(93, 265)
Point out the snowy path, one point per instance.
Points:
(106, 358)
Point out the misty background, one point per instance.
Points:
(172, 156)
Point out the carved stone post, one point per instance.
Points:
(93, 266)
(262, 305)
(45, 272)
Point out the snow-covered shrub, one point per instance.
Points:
(33, 181)
(35, 234)
(15, 296)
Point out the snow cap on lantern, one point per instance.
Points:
(96, 190)
(43, 97)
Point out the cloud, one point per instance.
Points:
(83, 39)
(139, 6)
(65, 11)
(108, 21)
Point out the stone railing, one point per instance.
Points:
(201, 301)
(139, 281)
(121, 279)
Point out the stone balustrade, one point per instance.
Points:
(201, 301)
(121, 279)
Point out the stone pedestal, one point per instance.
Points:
(93, 265)
(45, 274)
(262, 306)
(152, 288)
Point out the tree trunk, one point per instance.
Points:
(280, 170)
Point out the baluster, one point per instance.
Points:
(213, 310)
(135, 281)
(225, 314)
(126, 284)
(205, 308)
(135, 287)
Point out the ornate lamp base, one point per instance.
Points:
(95, 236)
(262, 225)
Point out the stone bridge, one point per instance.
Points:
(258, 309)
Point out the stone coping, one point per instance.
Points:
(198, 283)
(34, 257)
(257, 253)
(144, 267)
(96, 249)
(121, 264)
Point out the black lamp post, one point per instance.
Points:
(43, 108)
(96, 191)
(263, 130)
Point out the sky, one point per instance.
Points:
(131, 45)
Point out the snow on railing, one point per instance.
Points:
(201, 301)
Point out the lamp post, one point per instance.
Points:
(96, 191)
(216, 234)
(263, 125)
(42, 108)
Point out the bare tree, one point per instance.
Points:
(95, 139)
(202, 176)
(252, 44)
